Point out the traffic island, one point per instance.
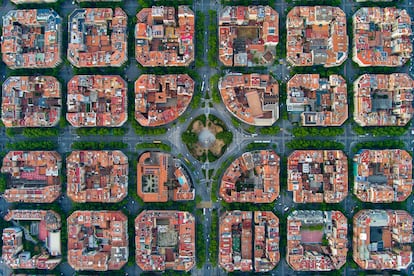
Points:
(207, 138)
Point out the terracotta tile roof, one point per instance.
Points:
(381, 37)
(97, 37)
(32, 176)
(382, 239)
(161, 39)
(31, 101)
(34, 42)
(161, 99)
(383, 176)
(161, 178)
(97, 100)
(251, 98)
(165, 240)
(248, 35)
(316, 35)
(240, 249)
(47, 225)
(383, 100)
(97, 240)
(316, 240)
(317, 101)
(97, 176)
(316, 176)
(253, 177)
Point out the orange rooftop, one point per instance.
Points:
(248, 241)
(383, 176)
(316, 176)
(97, 240)
(316, 35)
(251, 98)
(31, 39)
(248, 35)
(161, 99)
(97, 176)
(383, 239)
(32, 176)
(164, 38)
(160, 178)
(253, 177)
(97, 101)
(31, 101)
(97, 37)
(316, 101)
(381, 37)
(316, 240)
(165, 240)
(383, 100)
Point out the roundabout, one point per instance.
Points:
(207, 138)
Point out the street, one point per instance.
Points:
(283, 205)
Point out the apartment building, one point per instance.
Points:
(251, 98)
(383, 176)
(161, 99)
(316, 101)
(316, 176)
(42, 228)
(32, 176)
(165, 240)
(97, 37)
(316, 240)
(252, 177)
(383, 100)
(31, 39)
(161, 178)
(97, 176)
(164, 36)
(316, 35)
(381, 37)
(97, 240)
(31, 101)
(248, 241)
(248, 35)
(382, 239)
(97, 101)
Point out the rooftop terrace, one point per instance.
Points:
(31, 101)
(32, 176)
(253, 177)
(383, 176)
(248, 241)
(31, 39)
(381, 37)
(383, 100)
(97, 101)
(316, 176)
(165, 37)
(251, 98)
(161, 99)
(41, 229)
(160, 178)
(97, 176)
(316, 35)
(165, 240)
(97, 240)
(382, 239)
(316, 240)
(316, 101)
(248, 35)
(97, 37)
